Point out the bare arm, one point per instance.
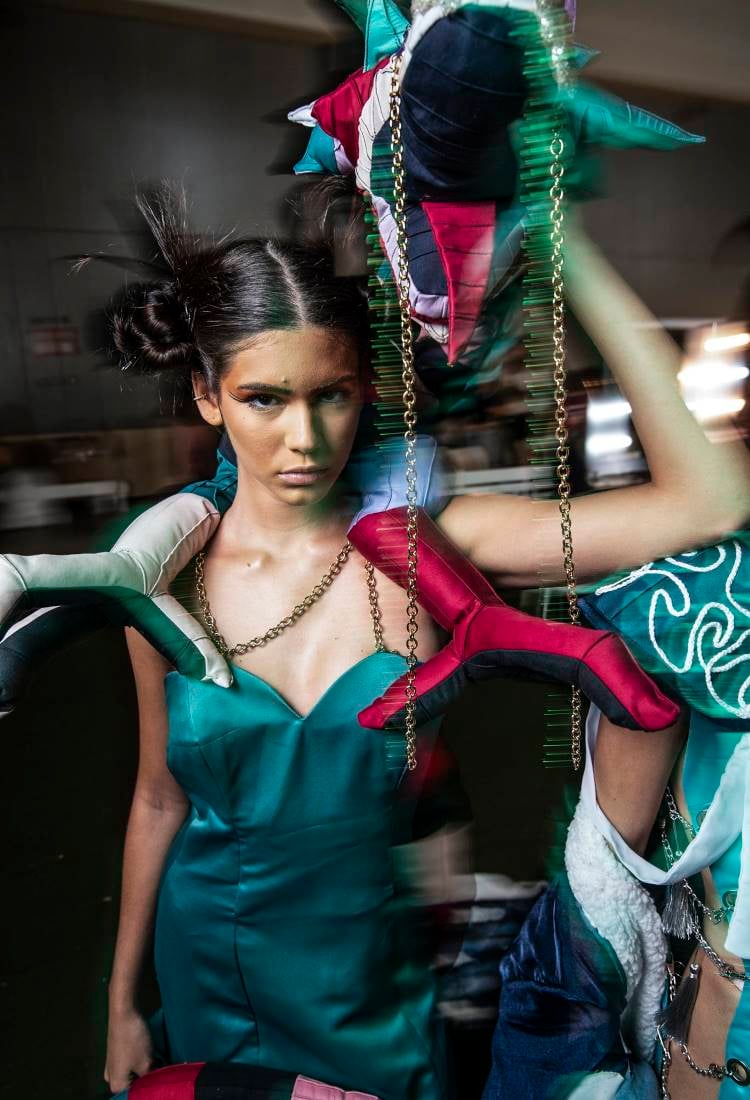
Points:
(699, 491)
(159, 807)
(632, 769)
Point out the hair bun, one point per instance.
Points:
(151, 329)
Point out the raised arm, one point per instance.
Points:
(159, 808)
(699, 491)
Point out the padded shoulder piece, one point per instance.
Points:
(130, 583)
(490, 639)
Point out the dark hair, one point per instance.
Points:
(215, 297)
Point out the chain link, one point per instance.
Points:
(712, 1070)
(410, 413)
(666, 1064)
(289, 620)
(549, 28)
(375, 613)
(716, 916)
(733, 1068)
(724, 968)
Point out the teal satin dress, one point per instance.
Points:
(283, 938)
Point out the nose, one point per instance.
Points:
(303, 434)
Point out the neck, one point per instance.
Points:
(256, 516)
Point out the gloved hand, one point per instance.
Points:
(127, 584)
(489, 638)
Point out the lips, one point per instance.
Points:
(303, 475)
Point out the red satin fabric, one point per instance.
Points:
(170, 1083)
(464, 234)
(493, 636)
(338, 112)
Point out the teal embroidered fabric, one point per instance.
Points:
(687, 620)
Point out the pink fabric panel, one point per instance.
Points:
(338, 111)
(307, 1089)
(393, 700)
(494, 630)
(463, 601)
(170, 1083)
(449, 585)
(464, 234)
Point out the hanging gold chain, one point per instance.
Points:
(289, 620)
(561, 422)
(548, 25)
(375, 613)
(410, 414)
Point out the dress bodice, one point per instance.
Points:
(249, 730)
(282, 938)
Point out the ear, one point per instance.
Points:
(206, 400)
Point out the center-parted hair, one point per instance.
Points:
(216, 297)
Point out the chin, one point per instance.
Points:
(304, 494)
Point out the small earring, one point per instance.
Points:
(199, 397)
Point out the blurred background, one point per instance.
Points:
(101, 95)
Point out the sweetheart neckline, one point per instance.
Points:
(298, 717)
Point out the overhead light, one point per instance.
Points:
(730, 342)
(709, 374)
(606, 409)
(711, 408)
(605, 443)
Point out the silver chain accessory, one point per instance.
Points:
(693, 903)
(734, 1068)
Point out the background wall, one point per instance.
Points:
(100, 104)
(666, 218)
(103, 102)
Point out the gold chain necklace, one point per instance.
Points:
(296, 613)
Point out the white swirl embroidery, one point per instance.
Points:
(718, 638)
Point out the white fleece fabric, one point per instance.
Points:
(623, 913)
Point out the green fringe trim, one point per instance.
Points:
(385, 313)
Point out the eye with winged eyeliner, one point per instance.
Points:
(264, 396)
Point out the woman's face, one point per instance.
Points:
(290, 403)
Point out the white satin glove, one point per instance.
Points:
(129, 584)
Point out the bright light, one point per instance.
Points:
(709, 374)
(606, 409)
(727, 343)
(711, 408)
(605, 443)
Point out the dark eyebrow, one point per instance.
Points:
(263, 387)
